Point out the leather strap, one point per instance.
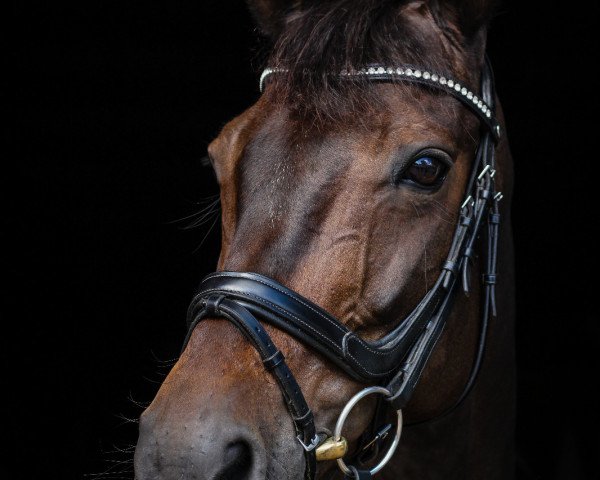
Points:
(220, 306)
(484, 200)
(309, 323)
(490, 123)
(356, 474)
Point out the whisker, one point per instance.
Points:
(207, 212)
(207, 233)
(440, 207)
(111, 472)
(424, 250)
(125, 419)
(137, 403)
(198, 223)
(155, 382)
(212, 205)
(125, 450)
(169, 362)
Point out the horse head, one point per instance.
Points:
(347, 191)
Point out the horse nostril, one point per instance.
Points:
(237, 462)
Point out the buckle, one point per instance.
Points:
(314, 443)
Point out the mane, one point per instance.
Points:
(324, 38)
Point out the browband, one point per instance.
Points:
(482, 107)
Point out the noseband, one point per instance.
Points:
(395, 361)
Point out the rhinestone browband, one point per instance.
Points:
(415, 75)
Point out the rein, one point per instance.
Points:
(395, 362)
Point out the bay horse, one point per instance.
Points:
(360, 197)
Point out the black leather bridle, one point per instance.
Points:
(397, 359)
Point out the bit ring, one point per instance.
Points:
(337, 434)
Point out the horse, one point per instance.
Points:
(363, 267)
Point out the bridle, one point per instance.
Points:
(397, 359)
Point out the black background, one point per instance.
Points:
(114, 104)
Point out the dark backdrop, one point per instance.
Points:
(114, 104)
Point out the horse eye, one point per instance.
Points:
(426, 171)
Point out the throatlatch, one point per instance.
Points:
(393, 363)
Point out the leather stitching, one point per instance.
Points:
(245, 294)
(353, 336)
(346, 354)
(297, 299)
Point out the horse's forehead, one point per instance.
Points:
(270, 146)
(407, 112)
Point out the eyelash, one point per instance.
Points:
(443, 161)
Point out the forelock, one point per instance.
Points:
(325, 38)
